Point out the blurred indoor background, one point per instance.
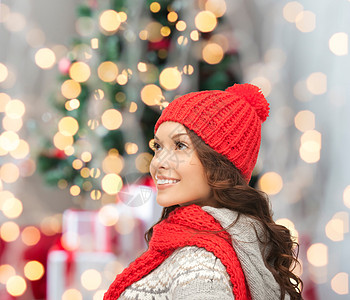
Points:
(81, 86)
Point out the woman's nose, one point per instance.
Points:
(164, 159)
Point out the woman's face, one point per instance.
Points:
(176, 169)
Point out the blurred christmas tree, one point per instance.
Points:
(130, 59)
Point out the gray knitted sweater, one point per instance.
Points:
(193, 273)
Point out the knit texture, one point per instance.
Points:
(189, 273)
(228, 121)
(246, 235)
(185, 226)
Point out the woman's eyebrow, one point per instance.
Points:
(174, 136)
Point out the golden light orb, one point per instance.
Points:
(170, 78)
(3, 72)
(143, 161)
(45, 58)
(205, 21)
(339, 43)
(340, 283)
(6, 271)
(9, 231)
(113, 164)
(61, 141)
(72, 294)
(9, 172)
(181, 25)
(107, 71)
(212, 53)
(271, 183)
(74, 190)
(4, 99)
(68, 126)
(91, 279)
(79, 71)
(317, 83)
(30, 235)
(111, 119)
(12, 208)
(155, 7)
(108, 215)
(15, 109)
(70, 89)
(34, 270)
(217, 7)
(172, 16)
(317, 255)
(16, 286)
(151, 94)
(304, 120)
(110, 21)
(112, 183)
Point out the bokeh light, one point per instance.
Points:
(346, 196)
(34, 270)
(16, 286)
(110, 21)
(143, 161)
(30, 235)
(4, 99)
(111, 119)
(271, 183)
(205, 21)
(305, 21)
(3, 72)
(107, 71)
(61, 141)
(79, 71)
(9, 172)
(45, 58)
(304, 120)
(108, 215)
(113, 163)
(317, 255)
(70, 89)
(340, 283)
(317, 83)
(12, 208)
(9, 231)
(170, 78)
(68, 126)
(151, 94)
(217, 7)
(91, 279)
(291, 11)
(112, 183)
(6, 271)
(15, 109)
(310, 146)
(212, 53)
(339, 43)
(72, 294)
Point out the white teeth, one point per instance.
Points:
(166, 181)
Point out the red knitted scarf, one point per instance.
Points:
(183, 227)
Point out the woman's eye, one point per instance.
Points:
(155, 146)
(180, 146)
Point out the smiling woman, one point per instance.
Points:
(216, 238)
(176, 168)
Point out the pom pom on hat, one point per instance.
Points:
(228, 121)
(254, 96)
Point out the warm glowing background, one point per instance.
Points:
(297, 53)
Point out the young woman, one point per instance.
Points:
(216, 238)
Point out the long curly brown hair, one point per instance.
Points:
(230, 190)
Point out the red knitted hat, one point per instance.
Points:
(228, 121)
